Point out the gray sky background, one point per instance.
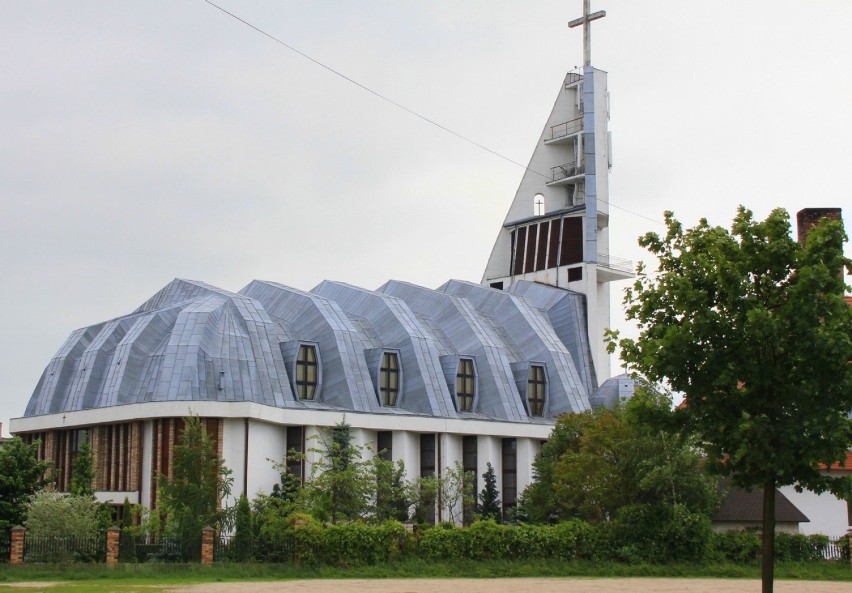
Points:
(143, 141)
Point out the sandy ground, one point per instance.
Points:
(555, 585)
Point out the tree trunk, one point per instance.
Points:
(768, 561)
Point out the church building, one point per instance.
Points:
(468, 373)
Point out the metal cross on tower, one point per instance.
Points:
(586, 21)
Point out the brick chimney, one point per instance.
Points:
(808, 217)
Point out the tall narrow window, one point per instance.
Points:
(465, 385)
(510, 474)
(295, 451)
(535, 390)
(307, 373)
(538, 205)
(384, 444)
(389, 379)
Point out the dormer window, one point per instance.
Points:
(389, 379)
(465, 385)
(307, 372)
(536, 385)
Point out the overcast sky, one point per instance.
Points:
(143, 141)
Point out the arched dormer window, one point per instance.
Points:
(307, 372)
(389, 379)
(536, 388)
(465, 385)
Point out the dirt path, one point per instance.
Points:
(555, 585)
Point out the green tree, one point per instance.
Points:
(455, 489)
(489, 496)
(341, 484)
(600, 461)
(191, 498)
(54, 514)
(753, 328)
(244, 530)
(393, 495)
(83, 470)
(21, 475)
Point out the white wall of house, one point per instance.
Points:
(827, 513)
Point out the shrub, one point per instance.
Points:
(739, 547)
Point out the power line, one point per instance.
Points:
(399, 105)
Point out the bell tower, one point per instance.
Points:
(557, 229)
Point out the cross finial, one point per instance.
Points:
(586, 21)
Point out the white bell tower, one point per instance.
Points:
(557, 229)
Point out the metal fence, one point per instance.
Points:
(161, 548)
(65, 549)
(229, 548)
(5, 546)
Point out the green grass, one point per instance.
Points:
(144, 577)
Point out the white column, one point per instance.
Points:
(267, 445)
(489, 449)
(233, 455)
(314, 447)
(406, 446)
(147, 462)
(527, 450)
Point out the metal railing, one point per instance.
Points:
(560, 172)
(573, 77)
(161, 548)
(65, 549)
(565, 128)
(615, 263)
(230, 548)
(5, 546)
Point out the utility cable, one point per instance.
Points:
(399, 105)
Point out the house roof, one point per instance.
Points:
(846, 465)
(747, 507)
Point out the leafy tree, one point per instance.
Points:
(455, 488)
(598, 462)
(21, 475)
(425, 490)
(190, 499)
(753, 328)
(54, 514)
(489, 496)
(83, 470)
(393, 495)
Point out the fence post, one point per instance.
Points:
(16, 545)
(207, 545)
(112, 544)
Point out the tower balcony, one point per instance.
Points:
(565, 174)
(565, 132)
(573, 78)
(612, 268)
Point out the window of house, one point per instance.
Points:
(389, 378)
(538, 205)
(510, 474)
(465, 385)
(384, 445)
(307, 372)
(536, 384)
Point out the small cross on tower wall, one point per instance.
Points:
(586, 21)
